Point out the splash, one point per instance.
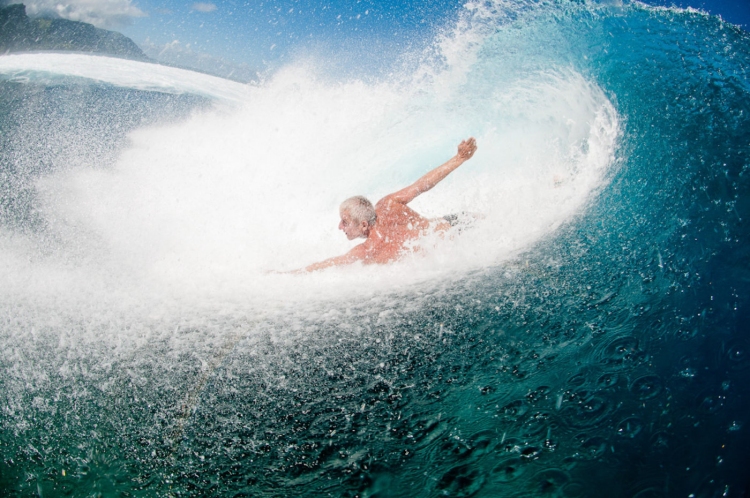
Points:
(203, 209)
(588, 333)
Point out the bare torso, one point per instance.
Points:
(397, 225)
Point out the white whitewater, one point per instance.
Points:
(195, 214)
(171, 245)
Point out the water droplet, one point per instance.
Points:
(646, 387)
(687, 373)
(630, 427)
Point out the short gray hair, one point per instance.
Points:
(360, 209)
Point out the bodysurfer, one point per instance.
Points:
(390, 226)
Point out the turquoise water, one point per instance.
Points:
(607, 355)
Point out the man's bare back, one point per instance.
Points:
(391, 225)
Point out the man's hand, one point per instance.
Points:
(467, 148)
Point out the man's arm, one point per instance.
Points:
(356, 254)
(466, 149)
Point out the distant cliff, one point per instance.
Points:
(19, 33)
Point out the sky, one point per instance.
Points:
(260, 32)
(256, 34)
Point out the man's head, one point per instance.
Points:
(357, 217)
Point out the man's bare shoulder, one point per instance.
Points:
(382, 203)
(386, 203)
(359, 251)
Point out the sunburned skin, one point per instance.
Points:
(396, 224)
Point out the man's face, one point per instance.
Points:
(351, 228)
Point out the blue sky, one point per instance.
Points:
(257, 33)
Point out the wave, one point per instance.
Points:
(61, 68)
(589, 333)
(216, 201)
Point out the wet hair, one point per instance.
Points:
(360, 209)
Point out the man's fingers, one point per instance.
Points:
(467, 147)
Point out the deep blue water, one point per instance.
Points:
(609, 359)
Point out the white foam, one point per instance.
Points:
(193, 215)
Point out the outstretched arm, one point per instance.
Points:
(352, 256)
(466, 149)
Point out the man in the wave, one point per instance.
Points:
(390, 225)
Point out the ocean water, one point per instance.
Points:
(587, 336)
